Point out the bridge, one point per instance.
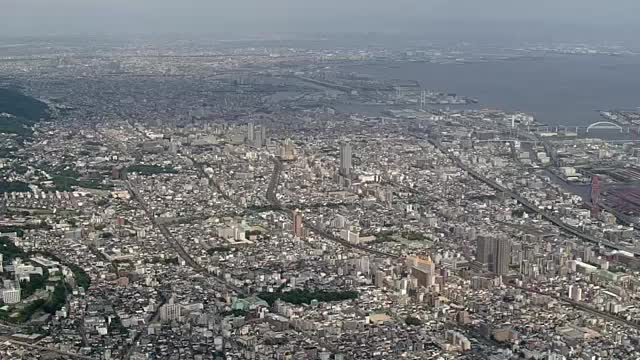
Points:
(535, 142)
(604, 125)
(505, 141)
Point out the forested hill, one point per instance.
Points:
(25, 111)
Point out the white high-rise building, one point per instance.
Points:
(11, 296)
(171, 311)
(575, 293)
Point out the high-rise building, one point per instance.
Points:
(173, 147)
(494, 253)
(297, 224)
(170, 311)
(379, 278)
(350, 236)
(345, 159)
(250, 132)
(423, 269)
(286, 151)
(263, 135)
(119, 173)
(484, 250)
(575, 293)
(502, 257)
(11, 295)
(258, 139)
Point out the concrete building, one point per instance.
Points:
(345, 159)
(350, 236)
(494, 253)
(297, 224)
(11, 296)
(502, 256)
(170, 311)
(423, 269)
(485, 250)
(575, 293)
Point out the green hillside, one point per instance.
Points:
(23, 106)
(27, 112)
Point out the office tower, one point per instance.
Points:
(379, 278)
(494, 253)
(297, 224)
(250, 132)
(575, 293)
(258, 138)
(263, 135)
(350, 236)
(171, 311)
(502, 256)
(484, 250)
(286, 151)
(119, 172)
(173, 147)
(345, 159)
(423, 269)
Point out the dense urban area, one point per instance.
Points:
(242, 200)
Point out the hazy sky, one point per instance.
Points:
(37, 17)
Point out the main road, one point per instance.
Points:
(273, 199)
(584, 307)
(174, 242)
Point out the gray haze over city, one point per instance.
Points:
(542, 18)
(319, 180)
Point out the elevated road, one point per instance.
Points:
(532, 207)
(47, 349)
(586, 308)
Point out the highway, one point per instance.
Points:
(532, 207)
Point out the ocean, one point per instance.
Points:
(556, 89)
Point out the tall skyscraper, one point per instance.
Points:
(502, 258)
(250, 132)
(484, 250)
(494, 253)
(345, 159)
(263, 135)
(297, 224)
(258, 139)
